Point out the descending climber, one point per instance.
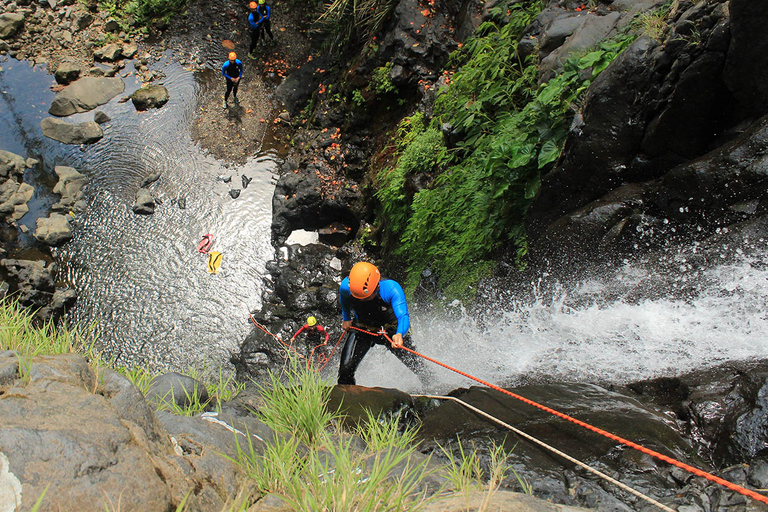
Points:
(377, 303)
(315, 331)
(232, 71)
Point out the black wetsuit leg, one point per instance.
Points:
(230, 85)
(412, 361)
(268, 28)
(355, 348)
(255, 32)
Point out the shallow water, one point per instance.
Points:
(140, 278)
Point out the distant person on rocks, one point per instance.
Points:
(260, 21)
(376, 303)
(232, 71)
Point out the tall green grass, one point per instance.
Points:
(22, 332)
(313, 465)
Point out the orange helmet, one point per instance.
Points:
(363, 280)
(232, 55)
(252, 5)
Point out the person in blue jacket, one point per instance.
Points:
(232, 71)
(376, 303)
(260, 20)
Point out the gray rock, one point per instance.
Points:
(11, 164)
(111, 26)
(69, 187)
(68, 133)
(10, 23)
(61, 301)
(85, 94)
(145, 203)
(96, 71)
(14, 197)
(100, 117)
(129, 50)
(150, 179)
(152, 96)
(83, 20)
(54, 230)
(34, 280)
(67, 72)
(60, 433)
(109, 52)
(177, 389)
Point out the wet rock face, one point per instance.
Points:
(746, 69)
(668, 119)
(302, 201)
(303, 282)
(87, 437)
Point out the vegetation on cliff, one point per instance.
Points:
(509, 131)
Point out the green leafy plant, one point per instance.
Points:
(381, 83)
(510, 131)
(380, 433)
(653, 23)
(21, 332)
(312, 465)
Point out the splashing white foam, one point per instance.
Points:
(573, 336)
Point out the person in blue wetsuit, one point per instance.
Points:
(376, 303)
(232, 71)
(260, 21)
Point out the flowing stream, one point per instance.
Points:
(140, 278)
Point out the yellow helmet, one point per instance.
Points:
(363, 280)
(311, 321)
(262, 2)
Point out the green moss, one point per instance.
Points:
(511, 130)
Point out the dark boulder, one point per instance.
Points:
(301, 201)
(746, 69)
(151, 96)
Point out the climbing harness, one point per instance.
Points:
(553, 450)
(647, 451)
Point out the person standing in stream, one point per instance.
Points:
(377, 303)
(232, 71)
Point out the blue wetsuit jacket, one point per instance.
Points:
(261, 16)
(389, 307)
(232, 70)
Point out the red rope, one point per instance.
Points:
(322, 361)
(614, 437)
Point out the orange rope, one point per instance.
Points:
(647, 451)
